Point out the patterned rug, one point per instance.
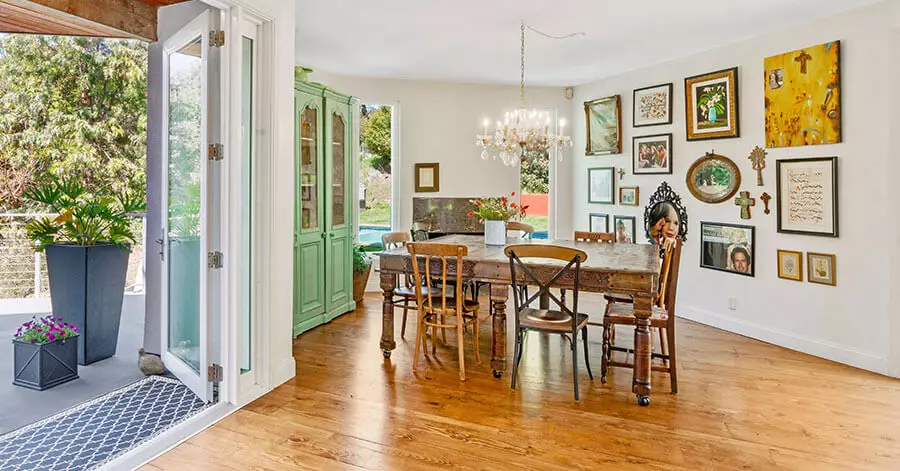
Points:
(98, 431)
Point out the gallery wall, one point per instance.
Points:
(848, 323)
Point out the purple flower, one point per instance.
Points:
(51, 337)
(27, 324)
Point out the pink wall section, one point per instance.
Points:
(538, 205)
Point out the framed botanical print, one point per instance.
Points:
(427, 178)
(790, 265)
(711, 105)
(623, 228)
(602, 185)
(728, 247)
(652, 155)
(713, 178)
(604, 125)
(652, 106)
(629, 196)
(821, 267)
(807, 196)
(599, 222)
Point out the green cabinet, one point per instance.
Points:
(323, 239)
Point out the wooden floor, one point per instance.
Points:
(742, 404)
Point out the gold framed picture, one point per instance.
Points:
(604, 125)
(790, 265)
(821, 268)
(629, 196)
(427, 178)
(711, 105)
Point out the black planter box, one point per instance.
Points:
(44, 366)
(87, 286)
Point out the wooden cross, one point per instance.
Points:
(765, 199)
(802, 59)
(758, 160)
(745, 202)
(621, 173)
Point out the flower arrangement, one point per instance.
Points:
(497, 209)
(45, 330)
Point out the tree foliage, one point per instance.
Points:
(535, 174)
(375, 134)
(71, 109)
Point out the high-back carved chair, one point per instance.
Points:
(565, 321)
(662, 318)
(437, 310)
(599, 237)
(404, 293)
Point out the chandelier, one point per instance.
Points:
(523, 132)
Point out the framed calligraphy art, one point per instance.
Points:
(808, 196)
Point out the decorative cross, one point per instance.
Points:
(745, 202)
(758, 159)
(765, 199)
(802, 59)
(621, 173)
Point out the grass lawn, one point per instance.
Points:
(379, 214)
(540, 223)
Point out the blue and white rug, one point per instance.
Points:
(98, 431)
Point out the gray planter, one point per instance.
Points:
(87, 286)
(44, 366)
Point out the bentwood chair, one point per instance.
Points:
(662, 317)
(598, 237)
(564, 321)
(405, 293)
(437, 310)
(526, 231)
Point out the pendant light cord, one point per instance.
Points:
(522, 56)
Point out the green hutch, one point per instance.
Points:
(323, 209)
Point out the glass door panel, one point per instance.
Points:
(337, 183)
(247, 200)
(309, 167)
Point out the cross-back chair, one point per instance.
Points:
(436, 310)
(404, 293)
(565, 321)
(527, 230)
(599, 237)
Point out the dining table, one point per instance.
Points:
(630, 269)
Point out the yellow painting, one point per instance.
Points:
(803, 97)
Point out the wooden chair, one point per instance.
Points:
(436, 309)
(662, 318)
(405, 293)
(526, 229)
(564, 321)
(599, 237)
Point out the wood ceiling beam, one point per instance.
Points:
(108, 18)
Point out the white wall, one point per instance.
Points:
(849, 323)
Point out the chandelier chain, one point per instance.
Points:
(522, 71)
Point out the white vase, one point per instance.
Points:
(494, 232)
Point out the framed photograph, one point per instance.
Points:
(623, 227)
(651, 155)
(820, 268)
(790, 265)
(728, 247)
(809, 72)
(807, 196)
(427, 178)
(713, 178)
(711, 105)
(629, 196)
(604, 125)
(602, 185)
(599, 222)
(652, 106)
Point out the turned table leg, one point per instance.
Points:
(640, 383)
(499, 295)
(388, 283)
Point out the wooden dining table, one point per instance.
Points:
(610, 268)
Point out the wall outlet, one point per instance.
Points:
(732, 304)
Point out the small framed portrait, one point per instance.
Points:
(427, 178)
(623, 227)
(629, 196)
(604, 125)
(807, 196)
(728, 247)
(665, 216)
(651, 155)
(711, 105)
(790, 265)
(599, 222)
(602, 185)
(652, 106)
(820, 268)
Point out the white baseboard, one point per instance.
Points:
(816, 347)
(285, 371)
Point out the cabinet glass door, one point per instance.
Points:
(339, 280)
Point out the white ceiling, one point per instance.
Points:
(478, 40)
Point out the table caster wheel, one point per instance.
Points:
(643, 400)
(387, 354)
(498, 374)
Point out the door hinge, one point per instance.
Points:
(215, 373)
(216, 38)
(216, 152)
(215, 259)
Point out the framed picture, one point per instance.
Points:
(604, 129)
(711, 105)
(809, 72)
(790, 265)
(623, 227)
(652, 106)
(602, 185)
(727, 247)
(713, 178)
(599, 222)
(629, 196)
(651, 154)
(665, 216)
(427, 178)
(820, 268)
(807, 196)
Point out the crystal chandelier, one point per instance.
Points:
(522, 132)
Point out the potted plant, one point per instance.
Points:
(45, 353)
(362, 266)
(495, 212)
(87, 246)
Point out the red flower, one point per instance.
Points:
(478, 203)
(513, 205)
(471, 214)
(512, 194)
(503, 199)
